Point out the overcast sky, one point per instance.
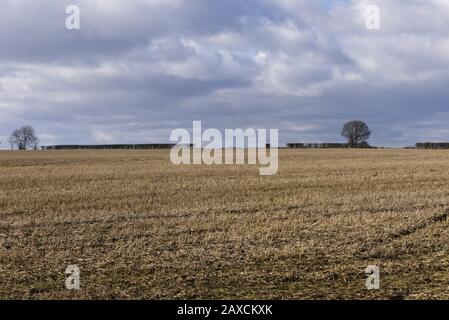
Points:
(139, 68)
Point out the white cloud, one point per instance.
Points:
(227, 62)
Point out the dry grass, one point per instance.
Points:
(140, 227)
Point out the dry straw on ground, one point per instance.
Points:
(140, 227)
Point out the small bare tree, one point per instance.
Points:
(24, 138)
(11, 143)
(356, 132)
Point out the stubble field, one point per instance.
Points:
(139, 227)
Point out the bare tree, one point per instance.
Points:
(24, 138)
(11, 142)
(357, 132)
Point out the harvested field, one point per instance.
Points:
(139, 227)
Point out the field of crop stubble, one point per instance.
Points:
(140, 227)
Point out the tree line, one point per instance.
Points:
(356, 132)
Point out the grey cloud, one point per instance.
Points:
(138, 69)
